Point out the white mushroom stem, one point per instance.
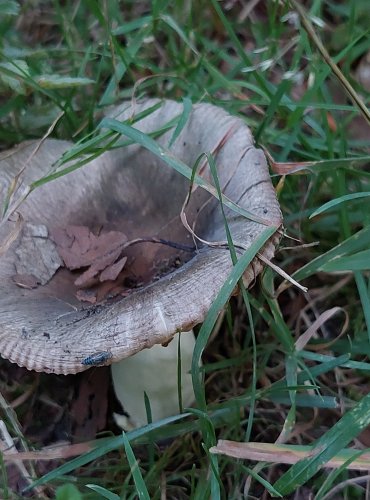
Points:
(154, 371)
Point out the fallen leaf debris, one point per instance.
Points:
(96, 260)
(98, 257)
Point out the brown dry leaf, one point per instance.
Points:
(79, 247)
(52, 452)
(73, 244)
(288, 168)
(302, 341)
(106, 259)
(283, 454)
(112, 271)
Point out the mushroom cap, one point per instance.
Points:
(47, 329)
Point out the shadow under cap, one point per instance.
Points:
(129, 189)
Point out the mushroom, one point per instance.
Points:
(153, 373)
(128, 188)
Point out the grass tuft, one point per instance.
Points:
(294, 75)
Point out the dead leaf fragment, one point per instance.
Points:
(37, 254)
(112, 271)
(100, 264)
(79, 247)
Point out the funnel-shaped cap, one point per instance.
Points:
(131, 190)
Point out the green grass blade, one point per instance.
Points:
(363, 292)
(61, 82)
(10, 8)
(108, 445)
(133, 25)
(333, 66)
(303, 401)
(173, 25)
(213, 169)
(217, 306)
(239, 47)
(141, 488)
(343, 360)
(148, 408)
(262, 481)
(338, 201)
(354, 243)
(326, 447)
(103, 492)
(273, 105)
(359, 261)
(179, 374)
(329, 480)
(121, 68)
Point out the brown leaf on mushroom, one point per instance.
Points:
(80, 248)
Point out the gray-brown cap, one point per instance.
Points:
(128, 188)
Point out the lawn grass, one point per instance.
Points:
(63, 64)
